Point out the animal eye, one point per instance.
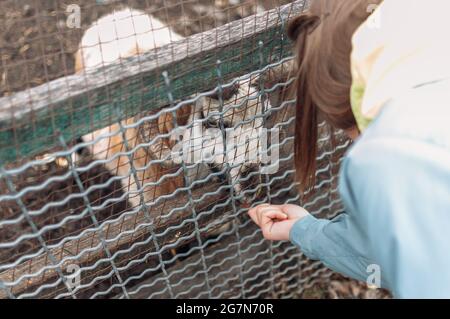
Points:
(254, 83)
(212, 123)
(215, 123)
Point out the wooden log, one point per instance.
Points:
(122, 225)
(197, 286)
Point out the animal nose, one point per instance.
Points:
(217, 123)
(227, 92)
(250, 179)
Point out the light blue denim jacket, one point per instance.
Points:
(395, 187)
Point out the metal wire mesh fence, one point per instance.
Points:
(132, 178)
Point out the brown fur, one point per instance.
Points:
(121, 166)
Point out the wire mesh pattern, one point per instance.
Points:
(128, 210)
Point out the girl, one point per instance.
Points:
(385, 75)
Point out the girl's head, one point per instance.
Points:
(323, 37)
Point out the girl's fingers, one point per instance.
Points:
(268, 216)
(252, 213)
(263, 209)
(276, 221)
(265, 213)
(269, 223)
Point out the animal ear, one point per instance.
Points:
(165, 121)
(305, 22)
(79, 65)
(183, 114)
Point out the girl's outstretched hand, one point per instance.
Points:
(276, 221)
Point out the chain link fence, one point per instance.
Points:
(128, 168)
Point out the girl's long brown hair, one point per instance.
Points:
(323, 38)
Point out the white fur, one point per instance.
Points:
(116, 35)
(197, 145)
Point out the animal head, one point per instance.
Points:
(239, 102)
(239, 109)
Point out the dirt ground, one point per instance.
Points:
(36, 46)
